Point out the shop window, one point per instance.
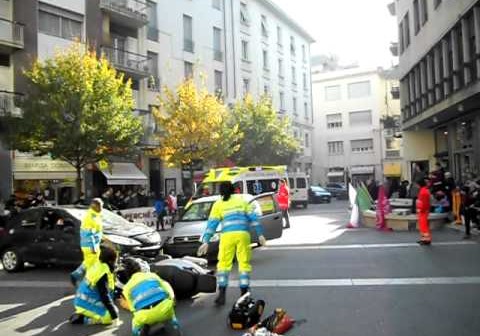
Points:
(464, 134)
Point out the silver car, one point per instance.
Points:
(186, 235)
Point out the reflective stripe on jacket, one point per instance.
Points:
(88, 296)
(236, 214)
(91, 230)
(145, 289)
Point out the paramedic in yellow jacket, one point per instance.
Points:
(237, 216)
(91, 232)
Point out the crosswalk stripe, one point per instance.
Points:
(359, 246)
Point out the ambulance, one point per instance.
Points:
(253, 180)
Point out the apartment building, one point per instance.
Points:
(356, 120)
(155, 43)
(439, 43)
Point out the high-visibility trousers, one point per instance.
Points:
(233, 244)
(456, 207)
(424, 226)
(89, 257)
(161, 313)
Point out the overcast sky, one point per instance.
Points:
(354, 30)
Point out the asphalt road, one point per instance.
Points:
(342, 282)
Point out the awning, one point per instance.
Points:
(360, 170)
(392, 169)
(44, 175)
(42, 168)
(335, 174)
(124, 173)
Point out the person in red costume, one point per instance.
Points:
(423, 209)
(284, 201)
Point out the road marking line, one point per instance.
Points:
(359, 246)
(36, 284)
(362, 282)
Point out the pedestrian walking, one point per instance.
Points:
(284, 202)
(160, 210)
(237, 216)
(150, 299)
(470, 202)
(172, 206)
(423, 210)
(93, 300)
(91, 231)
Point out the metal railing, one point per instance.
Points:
(9, 103)
(126, 60)
(188, 45)
(134, 9)
(218, 55)
(11, 32)
(392, 153)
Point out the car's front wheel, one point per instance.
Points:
(12, 260)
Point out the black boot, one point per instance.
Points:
(145, 330)
(76, 319)
(222, 292)
(244, 290)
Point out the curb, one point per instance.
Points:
(461, 228)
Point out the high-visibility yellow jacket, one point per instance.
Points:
(91, 231)
(144, 289)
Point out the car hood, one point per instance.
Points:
(196, 228)
(127, 230)
(322, 193)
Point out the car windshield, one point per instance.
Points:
(109, 219)
(318, 189)
(197, 212)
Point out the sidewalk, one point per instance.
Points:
(461, 228)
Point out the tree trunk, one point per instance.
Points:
(78, 182)
(192, 181)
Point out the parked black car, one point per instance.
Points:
(50, 235)
(318, 194)
(338, 190)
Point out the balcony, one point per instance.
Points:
(9, 103)
(394, 48)
(392, 154)
(11, 36)
(127, 13)
(395, 92)
(218, 55)
(132, 64)
(188, 45)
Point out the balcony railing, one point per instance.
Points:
(392, 153)
(218, 55)
(134, 65)
(9, 103)
(132, 13)
(188, 45)
(11, 34)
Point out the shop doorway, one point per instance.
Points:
(464, 166)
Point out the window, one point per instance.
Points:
(416, 16)
(307, 140)
(4, 60)
(332, 93)
(267, 204)
(264, 26)
(279, 36)
(154, 81)
(244, 19)
(217, 44)
(406, 26)
(364, 145)
(292, 46)
(301, 182)
(424, 11)
(304, 53)
(401, 42)
(280, 68)
(305, 111)
(57, 22)
(218, 81)
(244, 50)
(217, 4)
(188, 34)
(359, 89)
(305, 81)
(334, 120)
(188, 69)
(246, 86)
(360, 118)
(265, 60)
(294, 75)
(335, 147)
(266, 90)
(152, 31)
(294, 105)
(436, 3)
(282, 100)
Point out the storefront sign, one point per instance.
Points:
(146, 215)
(41, 164)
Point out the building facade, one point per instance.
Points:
(439, 44)
(356, 113)
(216, 42)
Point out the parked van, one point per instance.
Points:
(298, 184)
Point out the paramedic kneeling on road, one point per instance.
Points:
(236, 215)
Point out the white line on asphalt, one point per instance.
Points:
(36, 284)
(362, 282)
(358, 246)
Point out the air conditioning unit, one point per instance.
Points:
(389, 132)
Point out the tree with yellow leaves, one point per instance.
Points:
(194, 126)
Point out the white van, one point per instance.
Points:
(298, 184)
